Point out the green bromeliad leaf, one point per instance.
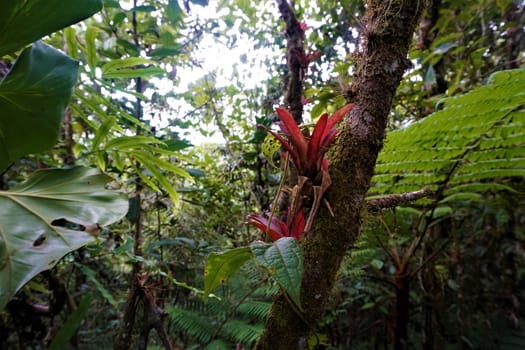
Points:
(283, 259)
(53, 213)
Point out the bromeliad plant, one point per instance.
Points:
(308, 155)
(311, 166)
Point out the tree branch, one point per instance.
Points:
(393, 200)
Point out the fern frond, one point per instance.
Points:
(477, 137)
(191, 323)
(241, 332)
(217, 308)
(254, 309)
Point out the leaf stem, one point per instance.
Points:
(277, 195)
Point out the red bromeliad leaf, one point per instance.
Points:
(325, 144)
(308, 156)
(276, 230)
(295, 135)
(337, 116)
(303, 26)
(312, 155)
(298, 225)
(324, 164)
(329, 134)
(305, 101)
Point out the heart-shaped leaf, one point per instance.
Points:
(33, 97)
(53, 213)
(283, 258)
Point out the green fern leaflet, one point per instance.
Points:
(474, 139)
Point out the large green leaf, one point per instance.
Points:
(220, 266)
(42, 221)
(284, 260)
(33, 97)
(22, 22)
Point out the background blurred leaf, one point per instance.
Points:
(92, 276)
(72, 323)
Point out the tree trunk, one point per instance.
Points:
(387, 33)
(401, 309)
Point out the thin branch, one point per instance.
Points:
(393, 200)
(430, 258)
(394, 251)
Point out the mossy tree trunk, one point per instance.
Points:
(388, 29)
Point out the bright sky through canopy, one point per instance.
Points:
(241, 61)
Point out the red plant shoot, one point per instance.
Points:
(308, 155)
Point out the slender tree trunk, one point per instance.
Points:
(401, 309)
(387, 33)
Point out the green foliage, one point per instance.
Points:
(235, 316)
(68, 329)
(270, 145)
(38, 87)
(222, 265)
(201, 326)
(33, 97)
(254, 309)
(474, 138)
(32, 241)
(91, 275)
(130, 68)
(282, 259)
(191, 323)
(470, 152)
(22, 22)
(243, 332)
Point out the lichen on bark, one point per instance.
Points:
(388, 28)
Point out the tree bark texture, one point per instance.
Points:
(296, 58)
(388, 30)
